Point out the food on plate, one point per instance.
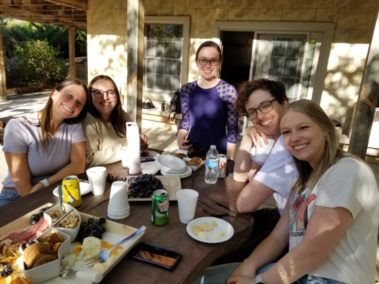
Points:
(195, 161)
(38, 254)
(91, 246)
(214, 224)
(144, 186)
(203, 236)
(68, 261)
(206, 227)
(14, 279)
(196, 230)
(180, 155)
(102, 267)
(31, 233)
(219, 235)
(10, 261)
(70, 222)
(92, 228)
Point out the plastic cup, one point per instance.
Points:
(123, 155)
(187, 200)
(260, 154)
(118, 200)
(97, 177)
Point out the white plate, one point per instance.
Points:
(149, 168)
(152, 154)
(171, 164)
(187, 173)
(85, 188)
(221, 226)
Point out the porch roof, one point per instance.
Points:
(62, 13)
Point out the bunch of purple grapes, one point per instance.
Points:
(144, 186)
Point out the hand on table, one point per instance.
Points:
(37, 187)
(240, 279)
(255, 136)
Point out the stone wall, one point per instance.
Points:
(354, 19)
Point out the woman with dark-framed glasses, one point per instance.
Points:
(104, 126)
(207, 107)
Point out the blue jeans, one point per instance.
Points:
(220, 274)
(7, 196)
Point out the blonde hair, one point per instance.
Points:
(308, 176)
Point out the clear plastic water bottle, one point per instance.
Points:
(211, 166)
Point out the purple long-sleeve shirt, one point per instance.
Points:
(208, 112)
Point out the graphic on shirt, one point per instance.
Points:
(299, 215)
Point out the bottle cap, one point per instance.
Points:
(213, 146)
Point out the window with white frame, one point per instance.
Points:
(166, 55)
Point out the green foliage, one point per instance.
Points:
(37, 63)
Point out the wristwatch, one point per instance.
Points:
(259, 280)
(44, 182)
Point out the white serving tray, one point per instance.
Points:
(114, 234)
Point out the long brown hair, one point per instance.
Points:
(45, 117)
(308, 176)
(118, 119)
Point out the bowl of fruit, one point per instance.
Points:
(69, 225)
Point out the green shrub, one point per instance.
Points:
(36, 62)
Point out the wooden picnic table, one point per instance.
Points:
(216, 200)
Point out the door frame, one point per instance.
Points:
(291, 27)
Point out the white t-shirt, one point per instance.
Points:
(24, 136)
(349, 184)
(278, 173)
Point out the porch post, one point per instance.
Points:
(368, 98)
(71, 51)
(3, 86)
(135, 27)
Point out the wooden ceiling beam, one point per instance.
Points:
(79, 4)
(22, 2)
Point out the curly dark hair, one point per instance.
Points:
(276, 88)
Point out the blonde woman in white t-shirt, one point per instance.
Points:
(104, 126)
(331, 220)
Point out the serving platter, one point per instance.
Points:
(115, 232)
(171, 183)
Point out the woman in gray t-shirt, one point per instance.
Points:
(44, 147)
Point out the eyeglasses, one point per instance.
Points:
(99, 93)
(264, 107)
(213, 62)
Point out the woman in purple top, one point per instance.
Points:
(208, 113)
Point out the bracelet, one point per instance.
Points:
(259, 280)
(45, 182)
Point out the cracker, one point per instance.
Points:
(214, 224)
(196, 230)
(206, 227)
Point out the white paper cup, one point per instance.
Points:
(97, 177)
(260, 154)
(187, 200)
(123, 156)
(118, 200)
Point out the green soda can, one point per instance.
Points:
(159, 210)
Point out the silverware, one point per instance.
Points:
(60, 193)
(61, 218)
(102, 257)
(70, 197)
